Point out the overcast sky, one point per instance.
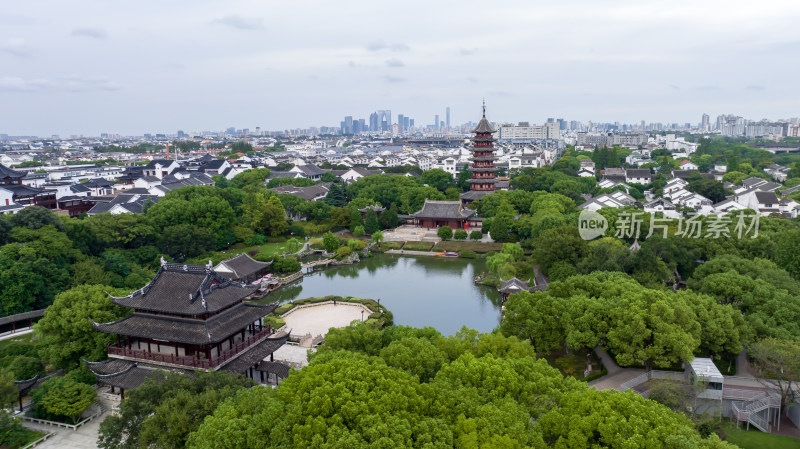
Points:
(86, 67)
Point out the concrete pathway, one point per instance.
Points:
(743, 368)
(408, 252)
(83, 438)
(616, 374)
(15, 334)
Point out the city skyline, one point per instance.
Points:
(83, 69)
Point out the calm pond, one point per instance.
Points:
(419, 291)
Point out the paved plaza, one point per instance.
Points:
(410, 234)
(83, 438)
(317, 319)
(292, 355)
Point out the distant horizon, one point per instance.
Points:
(150, 67)
(251, 129)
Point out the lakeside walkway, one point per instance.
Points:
(408, 252)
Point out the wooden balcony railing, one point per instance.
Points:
(191, 362)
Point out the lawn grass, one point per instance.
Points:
(755, 439)
(478, 247)
(418, 246)
(391, 245)
(270, 249)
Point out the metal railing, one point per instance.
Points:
(636, 381)
(737, 394)
(750, 411)
(190, 361)
(652, 374)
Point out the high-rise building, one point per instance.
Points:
(482, 181)
(436, 123)
(348, 125)
(705, 123)
(400, 119)
(407, 123)
(374, 124)
(447, 120)
(384, 120)
(410, 123)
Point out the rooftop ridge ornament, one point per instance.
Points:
(163, 262)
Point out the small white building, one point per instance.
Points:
(702, 370)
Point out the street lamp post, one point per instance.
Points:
(362, 315)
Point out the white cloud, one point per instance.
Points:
(395, 63)
(241, 22)
(313, 62)
(94, 33)
(72, 83)
(17, 47)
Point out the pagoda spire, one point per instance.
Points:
(482, 180)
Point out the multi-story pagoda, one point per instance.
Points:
(482, 182)
(187, 318)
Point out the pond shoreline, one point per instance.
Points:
(419, 291)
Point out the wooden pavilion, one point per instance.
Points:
(188, 318)
(511, 286)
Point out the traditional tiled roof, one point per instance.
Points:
(242, 266)
(24, 316)
(188, 290)
(188, 331)
(474, 195)
(483, 126)
(23, 386)
(638, 173)
(749, 182)
(276, 368)
(443, 209)
(766, 198)
(311, 170)
(128, 378)
(513, 285)
(6, 172)
(790, 190)
(109, 366)
(256, 354)
(214, 164)
(133, 203)
(23, 190)
(162, 162)
(682, 173)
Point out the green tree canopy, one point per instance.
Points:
(65, 332)
(162, 412)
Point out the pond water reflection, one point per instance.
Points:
(419, 291)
